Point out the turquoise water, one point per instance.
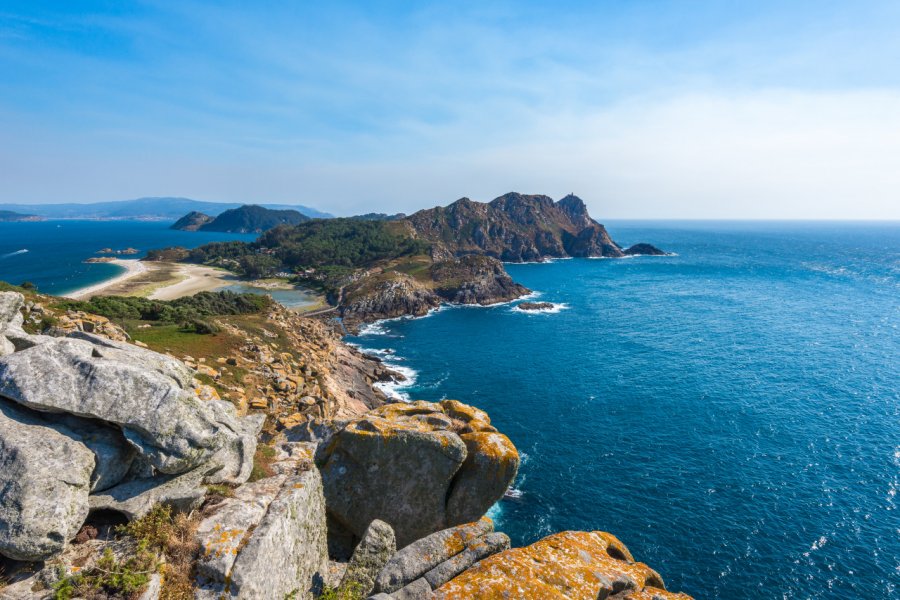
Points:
(290, 298)
(731, 413)
(51, 254)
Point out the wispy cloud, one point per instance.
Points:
(646, 109)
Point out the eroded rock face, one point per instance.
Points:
(267, 542)
(45, 477)
(420, 467)
(571, 565)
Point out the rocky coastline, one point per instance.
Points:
(269, 467)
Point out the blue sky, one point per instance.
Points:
(645, 109)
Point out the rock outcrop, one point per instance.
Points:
(387, 296)
(644, 250)
(571, 565)
(515, 228)
(433, 560)
(269, 541)
(88, 423)
(45, 476)
(420, 467)
(474, 279)
(143, 393)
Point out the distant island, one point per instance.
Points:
(249, 218)
(381, 267)
(149, 208)
(7, 216)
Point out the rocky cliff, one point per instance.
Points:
(516, 228)
(389, 293)
(300, 483)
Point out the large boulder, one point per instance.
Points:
(283, 556)
(144, 393)
(420, 467)
(571, 565)
(45, 477)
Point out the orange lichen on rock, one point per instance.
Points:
(571, 565)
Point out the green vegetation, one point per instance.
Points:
(331, 247)
(170, 254)
(350, 592)
(191, 312)
(262, 462)
(158, 534)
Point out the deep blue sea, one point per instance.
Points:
(51, 254)
(731, 413)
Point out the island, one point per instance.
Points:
(378, 268)
(249, 218)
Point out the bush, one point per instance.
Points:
(189, 310)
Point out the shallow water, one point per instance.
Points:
(731, 413)
(51, 254)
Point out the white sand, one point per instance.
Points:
(132, 267)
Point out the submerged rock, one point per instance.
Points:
(420, 467)
(572, 565)
(534, 305)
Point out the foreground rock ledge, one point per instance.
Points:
(571, 565)
(420, 467)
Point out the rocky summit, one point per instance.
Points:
(124, 474)
(516, 228)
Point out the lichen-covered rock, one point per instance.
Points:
(369, 558)
(475, 550)
(45, 476)
(286, 554)
(571, 565)
(140, 391)
(221, 534)
(425, 554)
(411, 466)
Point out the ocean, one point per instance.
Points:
(51, 253)
(730, 413)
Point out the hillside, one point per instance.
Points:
(150, 208)
(10, 216)
(374, 269)
(192, 221)
(249, 218)
(517, 228)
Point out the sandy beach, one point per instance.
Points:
(194, 278)
(157, 280)
(133, 268)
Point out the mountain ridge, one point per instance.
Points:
(149, 208)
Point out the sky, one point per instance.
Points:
(645, 109)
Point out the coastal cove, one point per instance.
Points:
(51, 253)
(730, 412)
